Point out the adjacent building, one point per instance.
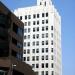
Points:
(42, 37)
(11, 44)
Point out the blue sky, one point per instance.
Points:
(66, 9)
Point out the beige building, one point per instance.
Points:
(42, 37)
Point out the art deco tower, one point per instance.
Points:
(42, 37)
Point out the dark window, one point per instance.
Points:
(47, 42)
(46, 65)
(52, 65)
(37, 50)
(28, 44)
(42, 21)
(43, 29)
(33, 36)
(46, 21)
(37, 15)
(46, 57)
(33, 50)
(51, 49)
(37, 28)
(24, 58)
(42, 42)
(37, 58)
(37, 65)
(46, 72)
(46, 49)
(52, 72)
(37, 22)
(43, 15)
(20, 17)
(25, 17)
(33, 22)
(34, 16)
(28, 51)
(24, 51)
(42, 57)
(45, 3)
(46, 14)
(42, 50)
(51, 27)
(29, 16)
(46, 27)
(33, 29)
(33, 58)
(42, 73)
(42, 65)
(51, 42)
(28, 59)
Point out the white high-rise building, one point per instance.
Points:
(42, 37)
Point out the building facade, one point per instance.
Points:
(11, 44)
(42, 37)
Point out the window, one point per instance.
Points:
(42, 50)
(43, 15)
(47, 14)
(43, 29)
(51, 42)
(46, 72)
(34, 22)
(42, 65)
(51, 27)
(24, 51)
(46, 49)
(46, 21)
(46, 57)
(46, 42)
(37, 43)
(46, 65)
(52, 57)
(42, 73)
(51, 49)
(52, 35)
(25, 44)
(33, 29)
(42, 57)
(37, 58)
(24, 58)
(25, 23)
(42, 21)
(45, 3)
(24, 36)
(37, 28)
(28, 36)
(33, 58)
(33, 43)
(29, 23)
(34, 16)
(46, 35)
(28, 59)
(33, 65)
(33, 36)
(37, 15)
(37, 36)
(43, 35)
(52, 72)
(42, 42)
(20, 17)
(37, 50)
(52, 65)
(37, 65)
(28, 51)
(33, 50)
(25, 30)
(28, 44)
(28, 29)
(29, 16)
(25, 17)
(37, 22)
(46, 27)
